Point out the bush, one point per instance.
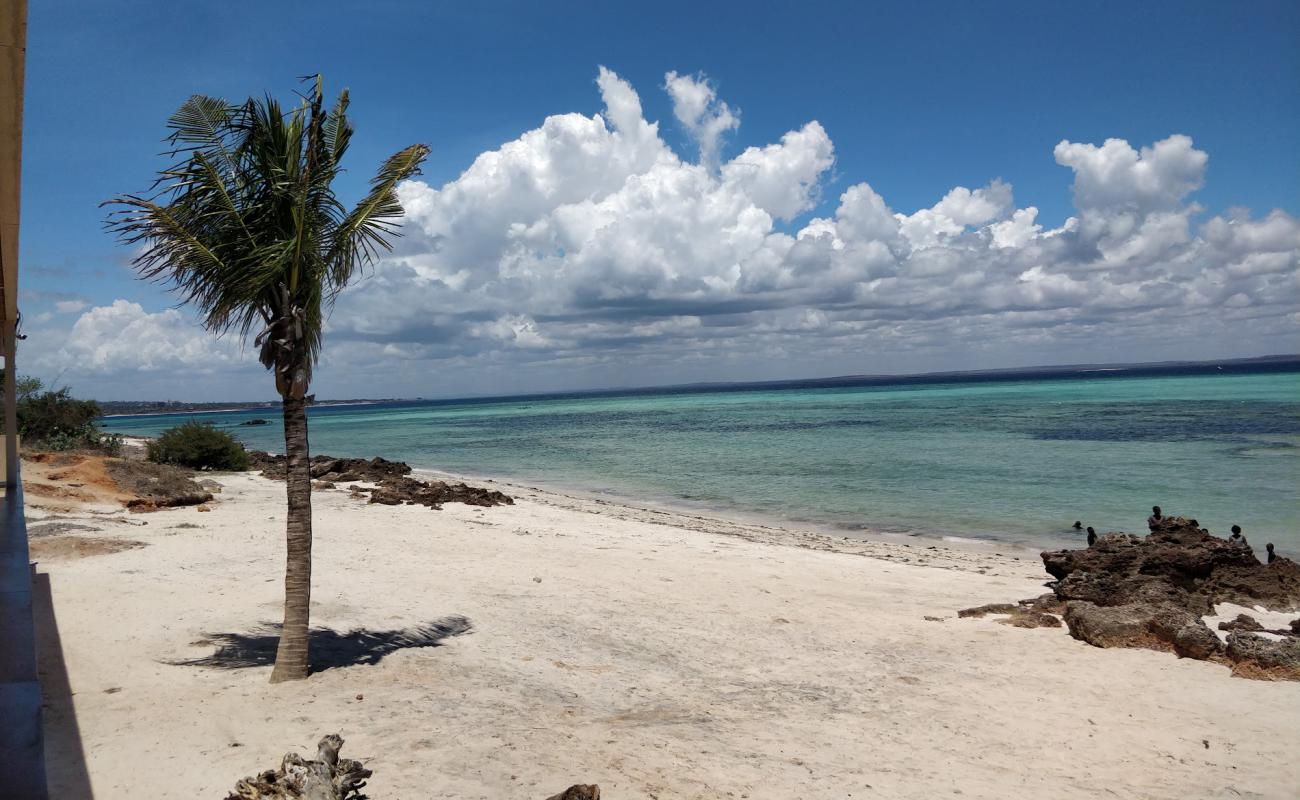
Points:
(54, 420)
(198, 445)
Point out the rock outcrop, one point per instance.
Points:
(393, 483)
(1176, 563)
(1037, 612)
(1152, 592)
(410, 491)
(331, 469)
(155, 486)
(1241, 623)
(1253, 656)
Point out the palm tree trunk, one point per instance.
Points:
(291, 655)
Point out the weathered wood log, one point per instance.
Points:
(327, 778)
(332, 778)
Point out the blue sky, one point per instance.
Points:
(917, 98)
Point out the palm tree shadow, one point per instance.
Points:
(329, 648)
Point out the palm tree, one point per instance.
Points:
(245, 225)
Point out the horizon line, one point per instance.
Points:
(704, 385)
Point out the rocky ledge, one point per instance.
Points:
(393, 483)
(156, 486)
(1152, 591)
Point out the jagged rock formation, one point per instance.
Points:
(1177, 563)
(394, 484)
(331, 469)
(1254, 656)
(1152, 591)
(394, 491)
(1241, 623)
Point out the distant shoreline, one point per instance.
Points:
(235, 409)
(1271, 363)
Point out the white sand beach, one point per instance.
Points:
(657, 655)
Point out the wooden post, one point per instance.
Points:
(9, 335)
(13, 56)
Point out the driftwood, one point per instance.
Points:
(579, 791)
(332, 778)
(327, 778)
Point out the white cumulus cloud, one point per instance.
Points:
(587, 247)
(701, 113)
(70, 306)
(122, 337)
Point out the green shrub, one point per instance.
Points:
(198, 445)
(110, 444)
(54, 420)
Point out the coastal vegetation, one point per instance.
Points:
(52, 419)
(198, 445)
(247, 227)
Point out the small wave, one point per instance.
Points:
(966, 540)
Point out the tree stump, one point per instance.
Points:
(579, 791)
(327, 778)
(332, 778)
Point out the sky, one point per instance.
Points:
(628, 196)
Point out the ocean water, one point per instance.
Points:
(1015, 460)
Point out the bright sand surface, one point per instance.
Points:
(658, 655)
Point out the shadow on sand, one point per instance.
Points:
(329, 648)
(65, 759)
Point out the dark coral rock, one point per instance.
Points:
(1026, 618)
(1254, 656)
(1111, 626)
(991, 608)
(1176, 563)
(345, 469)
(1130, 591)
(1242, 622)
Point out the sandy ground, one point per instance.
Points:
(658, 655)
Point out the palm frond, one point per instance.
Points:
(373, 223)
(245, 224)
(204, 123)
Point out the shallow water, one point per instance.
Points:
(1007, 460)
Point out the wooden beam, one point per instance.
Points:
(13, 51)
(8, 340)
(13, 54)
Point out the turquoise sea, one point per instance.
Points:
(1012, 459)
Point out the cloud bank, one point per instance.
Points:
(587, 247)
